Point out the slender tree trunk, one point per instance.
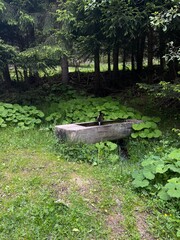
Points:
(172, 71)
(132, 59)
(150, 54)
(109, 61)
(162, 47)
(124, 60)
(97, 72)
(140, 53)
(115, 63)
(6, 74)
(65, 69)
(25, 74)
(150, 48)
(16, 72)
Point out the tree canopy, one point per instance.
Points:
(37, 35)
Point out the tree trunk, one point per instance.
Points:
(132, 59)
(97, 72)
(162, 47)
(109, 61)
(150, 55)
(124, 60)
(172, 71)
(6, 74)
(140, 53)
(150, 49)
(115, 64)
(16, 72)
(25, 74)
(65, 70)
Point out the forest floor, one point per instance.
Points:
(45, 197)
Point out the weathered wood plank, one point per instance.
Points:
(90, 133)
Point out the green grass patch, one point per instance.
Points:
(44, 196)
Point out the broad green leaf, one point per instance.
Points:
(1, 120)
(148, 174)
(161, 168)
(163, 195)
(145, 118)
(174, 168)
(111, 146)
(156, 119)
(143, 134)
(134, 135)
(140, 183)
(1, 109)
(147, 162)
(175, 154)
(174, 192)
(157, 133)
(138, 126)
(138, 175)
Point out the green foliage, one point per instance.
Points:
(99, 153)
(160, 175)
(7, 54)
(41, 57)
(87, 109)
(165, 18)
(162, 90)
(147, 129)
(25, 21)
(2, 7)
(26, 218)
(50, 94)
(23, 117)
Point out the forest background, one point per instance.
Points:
(62, 62)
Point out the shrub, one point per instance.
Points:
(160, 175)
(23, 117)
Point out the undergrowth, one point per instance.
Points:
(39, 200)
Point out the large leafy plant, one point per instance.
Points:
(87, 109)
(99, 153)
(160, 175)
(147, 129)
(23, 117)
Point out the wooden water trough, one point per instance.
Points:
(91, 132)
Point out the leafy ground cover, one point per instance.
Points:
(56, 190)
(45, 197)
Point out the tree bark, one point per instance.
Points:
(162, 47)
(6, 74)
(97, 72)
(132, 59)
(25, 74)
(124, 60)
(115, 63)
(16, 72)
(150, 48)
(65, 69)
(140, 53)
(109, 61)
(150, 55)
(172, 71)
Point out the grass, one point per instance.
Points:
(45, 197)
(84, 67)
(47, 193)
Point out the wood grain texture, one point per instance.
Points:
(92, 133)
